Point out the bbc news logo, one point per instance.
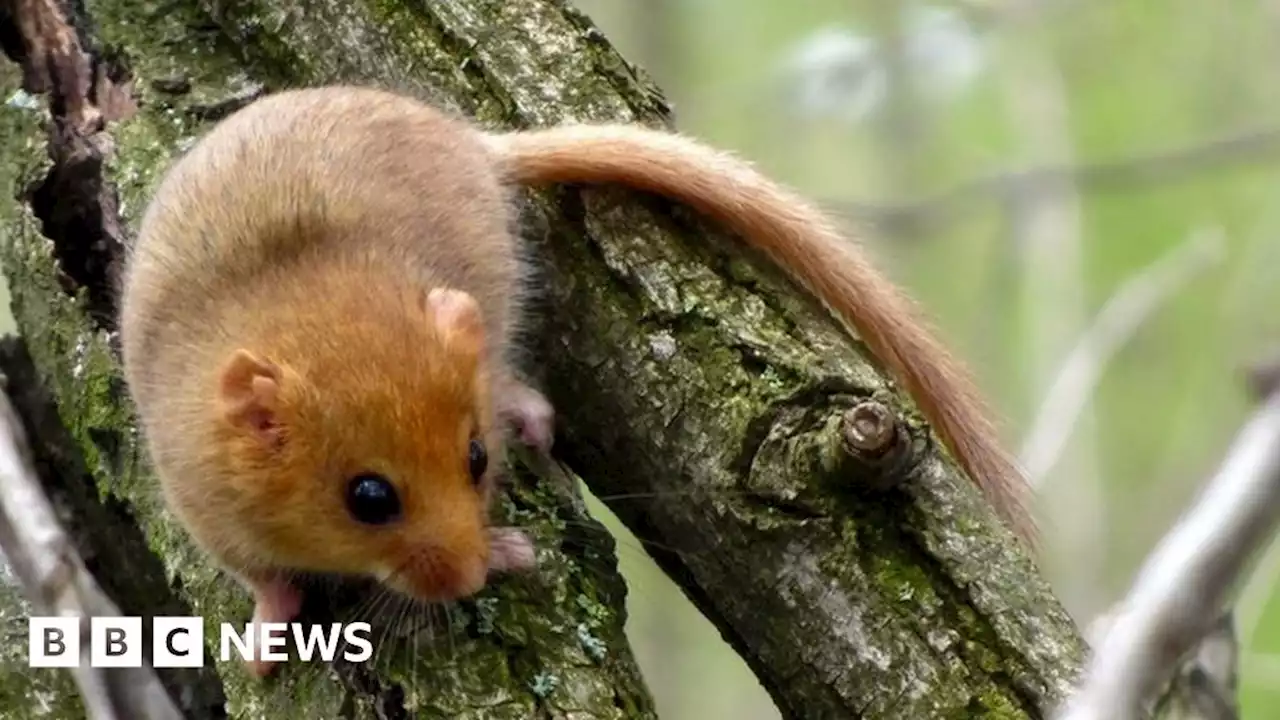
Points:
(179, 642)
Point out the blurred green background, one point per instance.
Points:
(1062, 184)
(1168, 110)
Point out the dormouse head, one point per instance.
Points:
(368, 447)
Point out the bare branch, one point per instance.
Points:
(1180, 590)
(1046, 236)
(43, 560)
(1264, 375)
(1253, 146)
(1131, 306)
(1263, 379)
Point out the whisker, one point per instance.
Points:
(377, 620)
(453, 650)
(625, 550)
(620, 542)
(431, 622)
(417, 654)
(658, 494)
(396, 624)
(365, 610)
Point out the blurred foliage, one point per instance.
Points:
(1140, 77)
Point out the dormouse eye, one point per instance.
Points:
(478, 460)
(372, 500)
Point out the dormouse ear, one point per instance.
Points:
(456, 317)
(249, 389)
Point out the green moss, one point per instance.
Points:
(22, 159)
(737, 340)
(494, 651)
(29, 693)
(992, 705)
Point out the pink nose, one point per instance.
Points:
(442, 578)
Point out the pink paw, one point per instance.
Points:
(260, 668)
(276, 600)
(510, 550)
(532, 416)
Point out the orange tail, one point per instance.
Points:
(804, 243)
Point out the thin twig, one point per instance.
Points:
(1186, 580)
(1252, 146)
(43, 560)
(1045, 224)
(1131, 306)
(1263, 379)
(1264, 376)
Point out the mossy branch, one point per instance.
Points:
(104, 114)
(793, 492)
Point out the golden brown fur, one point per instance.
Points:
(801, 241)
(284, 327)
(300, 230)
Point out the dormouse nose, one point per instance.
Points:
(442, 576)
(466, 577)
(447, 549)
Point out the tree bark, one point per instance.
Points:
(123, 86)
(790, 489)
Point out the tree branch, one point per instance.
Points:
(1124, 313)
(1181, 588)
(549, 644)
(54, 577)
(1243, 148)
(801, 502)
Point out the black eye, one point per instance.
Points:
(478, 460)
(372, 500)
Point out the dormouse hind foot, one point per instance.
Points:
(510, 550)
(530, 414)
(275, 600)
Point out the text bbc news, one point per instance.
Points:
(179, 642)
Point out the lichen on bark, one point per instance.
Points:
(697, 393)
(550, 644)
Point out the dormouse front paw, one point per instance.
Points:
(510, 550)
(276, 600)
(531, 415)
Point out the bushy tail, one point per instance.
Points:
(801, 240)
